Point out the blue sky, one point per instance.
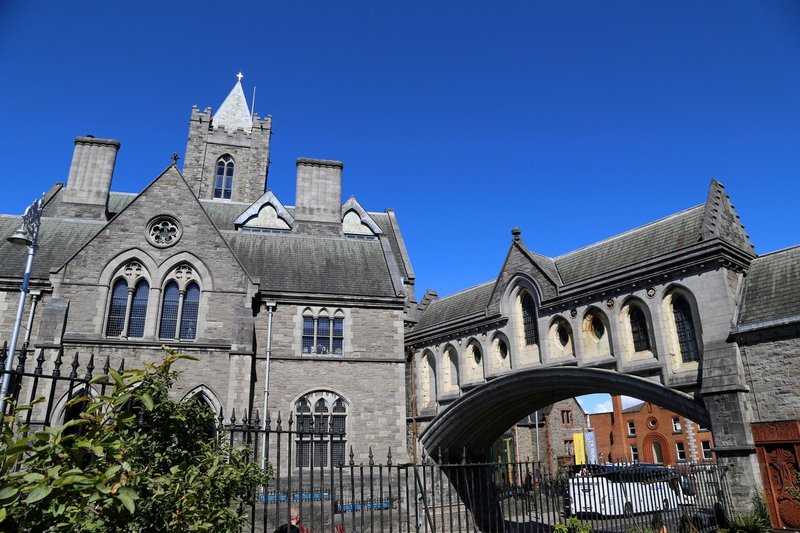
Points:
(573, 120)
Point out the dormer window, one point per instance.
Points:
(223, 182)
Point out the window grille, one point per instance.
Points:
(116, 313)
(138, 309)
(641, 338)
(684, 326)
(223, 182)
(191, 304)
(308, 334)
(529, 319)
(321, 434)
(323, 335)
(169, 311)
(338, 335)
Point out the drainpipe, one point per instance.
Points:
(270, 309)
(538, 455)
(35, 295)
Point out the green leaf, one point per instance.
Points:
(147, 400)
(2, 513)
(127, 495)
(33, 477)
(6, 493)
(38, 493)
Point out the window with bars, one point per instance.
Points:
(685, 329)
(179, 307)
(223, 181)
(321, 432)
(128, 309)
(529, 318)
(323, 334)
(639, 330)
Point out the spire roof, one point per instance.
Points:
(234, 114)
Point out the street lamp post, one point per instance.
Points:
(28, 235)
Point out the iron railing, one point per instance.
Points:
(338, 492)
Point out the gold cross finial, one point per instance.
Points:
(240, 76)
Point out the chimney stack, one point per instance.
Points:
(89, 180)
(318, 208)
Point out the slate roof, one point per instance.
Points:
(456, 306)
(283, 262)
(772, 288)
(58, 240)
(633, 408)
(658, 238)
(314, 264)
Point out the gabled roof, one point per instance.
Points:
(772, 289)
(58, 240)
(456, 306)
(646, 242)
(233, 114)
(316, 265)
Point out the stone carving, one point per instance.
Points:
(133, 271)
(651, 292)
(163, 231)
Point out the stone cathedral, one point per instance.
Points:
(206, 259)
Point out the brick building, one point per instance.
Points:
(651, 434)
(206, 259)
(552, 442)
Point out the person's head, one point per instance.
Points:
(294, 516)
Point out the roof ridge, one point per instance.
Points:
(464, 290)
(630, 231)
(780, 250)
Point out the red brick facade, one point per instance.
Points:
(649, 434)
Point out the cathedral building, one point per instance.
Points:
(207, 260)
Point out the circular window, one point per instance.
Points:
(652, 423)
(502, 349)
(476, 354)
(597, 327)
(164, 231)
(563, 335)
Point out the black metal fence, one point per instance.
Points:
(336, 491)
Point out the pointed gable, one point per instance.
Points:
(521, 261)
(168, 195)
(720, 220)
(356, 220)
(233, 114)
(267, 212)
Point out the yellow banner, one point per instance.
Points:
(580, 448)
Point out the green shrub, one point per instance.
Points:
(135, 460)
(756, 521)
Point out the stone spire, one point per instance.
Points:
(234, 114)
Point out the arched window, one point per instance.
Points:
(685, 329)
(321, 435)
(127, 310)
(169, 311)
(223, 182)
(138, 309)
(639, 330)
(529, 319)
(191, 304)
(119, 305)
(180, 305)
(323, 335)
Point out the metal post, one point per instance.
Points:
(538, 458)
(270, 309)
(35, 295)
(27, 234)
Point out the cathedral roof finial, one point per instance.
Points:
(239, 76)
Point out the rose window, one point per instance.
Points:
(163, 231)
